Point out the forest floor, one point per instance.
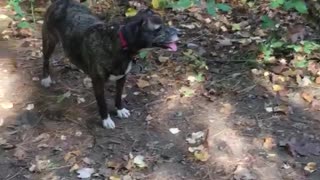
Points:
(242, 128)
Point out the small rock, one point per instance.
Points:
(30, 107)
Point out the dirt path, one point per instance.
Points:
(50, 133)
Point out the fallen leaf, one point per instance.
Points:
(131, 12)
(85, 173)
(307, 97)
(6, 105)
(277, 87)
(311, 167)
(74, 167)
(305, 81)
(236, 27)
(225, 42)
(71, 156)
(269, 143)
(126, 177)
(201, 155)
(227, 109)
(139, 161)
(186, 91)
(88, 160)
(174, 130)
(41, 164)
(296, 32)
(196, 137)
(318, 80)
(113, 164)
(163, 59)
(20, 154)
(194, 149)
(315, 105)
(42, 137)
(142, 83)
(115, 178)
(243, 173)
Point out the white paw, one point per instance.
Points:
(46, 82)
(123, 113)
(108, 123)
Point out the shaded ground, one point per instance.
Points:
(58, 134)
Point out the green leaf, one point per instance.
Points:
(300, 6)
(182, 4)
(288, 5)
(236, 27)
(267, 22)
(186, 91)
(277, 44)
(211, 8)
(143, 54)
(199, 77)
(300, 63)
(276, 3)
(223, 7)
(24, 25)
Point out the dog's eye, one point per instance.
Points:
(157, 29)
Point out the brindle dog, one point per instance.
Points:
(104, 51)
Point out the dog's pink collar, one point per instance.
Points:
(123, 41)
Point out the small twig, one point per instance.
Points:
(21, 169)
(61, 167)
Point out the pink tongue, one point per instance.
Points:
(172, 46)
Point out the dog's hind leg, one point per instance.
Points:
(122, 112)
(48, 45)
(98, 88)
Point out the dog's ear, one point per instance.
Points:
(153, 22)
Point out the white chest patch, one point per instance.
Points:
(117, 77)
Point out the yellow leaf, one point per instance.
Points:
(277, 87)
(115, 178)
(311, 167)
(201, 155)
(142, 83)
(155, 4)
(131, 12)
(307, 97)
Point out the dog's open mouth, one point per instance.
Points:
(172, 46)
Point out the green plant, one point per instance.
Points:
(298, 5)
(19, 13)
(211, 7)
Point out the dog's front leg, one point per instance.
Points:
(98, 88)
(122, 112)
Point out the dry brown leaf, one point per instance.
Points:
(296, 32)
(74, 167)
(142, 83)
(318, 80)
(315, 105)
(269, 143)
(71, 156)
(307, 97)
(20, 154)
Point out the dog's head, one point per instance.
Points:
(146, 30)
